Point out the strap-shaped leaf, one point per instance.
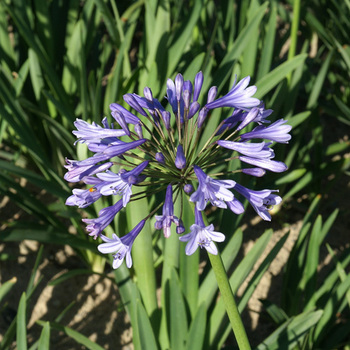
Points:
(147, 338)
(292, 332)
(21, 334)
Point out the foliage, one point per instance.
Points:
(65, 60)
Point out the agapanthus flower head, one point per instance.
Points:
(149, 147)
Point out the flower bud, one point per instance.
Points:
(180, 160)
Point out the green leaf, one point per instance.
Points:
(319, 81)
(115, 76)
(242, 41)
(22, 77)
(292, 332)
(142, 252)
(44, 234)
(44, 340)
(177, 48)
(343, 108)
(332, 308)
(71, 274)
(254, 281)
(246, 265)
(35, 73)
(34, 43)
(35, 179)
(189, 265)
(253, 284)
(197, 330)
(31, 285)
(276, 313)
(292, 176)
(337, 147)
(303, 182)
(178, 317)
(108, 20)
(44, 26)
(78, 337)
(130, 295)
(269, 41)
(308, 282)
(298, 119)
(321, 296)
(6, 287)
(147, 338)
(248, 59)
(340, 270)
(21, 334)
(269, 81)
(7, 52)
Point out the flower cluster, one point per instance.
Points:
(152, 147)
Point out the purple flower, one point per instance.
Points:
(93, 133)
(188, 188)
(198, 82)
(121, 121)
(194, 108)
(257, 154)
(83, 198)
(171, 95)
(268, 164)
(179, 82)
(211, 190)
(238, 97)
(164, 221)
(76, 172)
(275, 132)
(129, 117)
(176, 150)
(105, 217)
(236, 206)
(121, 183)
(258, 172)
(202, 116)
(160, 157)
(256, 150)
(132, 102)
(109, 151)
(202, 236)
(180, 160)
(261, 201)
(120, 246)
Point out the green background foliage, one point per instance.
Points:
(62, 60)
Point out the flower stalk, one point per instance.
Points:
(229, 302)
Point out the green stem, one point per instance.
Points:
(229, 301)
